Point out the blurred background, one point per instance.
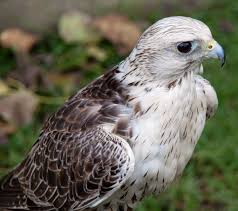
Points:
(50, 49)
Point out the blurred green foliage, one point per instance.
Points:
(210, 180)
(7, 61)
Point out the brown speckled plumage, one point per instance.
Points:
(128, 134)
(75, 162)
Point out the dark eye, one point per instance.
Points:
(184, 47)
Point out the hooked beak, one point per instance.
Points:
(216, 51)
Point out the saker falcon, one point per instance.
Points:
(126, 135)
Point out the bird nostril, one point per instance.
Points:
(210, 46)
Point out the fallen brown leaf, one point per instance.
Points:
(118, 29)
(18, 107)
(28, 72)
(7, 128)
(17, 39)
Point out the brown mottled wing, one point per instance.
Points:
(75, 171)
(102, 102)
(75, 163)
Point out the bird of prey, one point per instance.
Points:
(126, 135)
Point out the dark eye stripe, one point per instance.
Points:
(184, 47)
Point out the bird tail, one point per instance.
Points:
(11, 193)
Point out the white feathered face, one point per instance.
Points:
(174, 45)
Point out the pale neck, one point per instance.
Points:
(133, 73)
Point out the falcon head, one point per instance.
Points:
(175, 45)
